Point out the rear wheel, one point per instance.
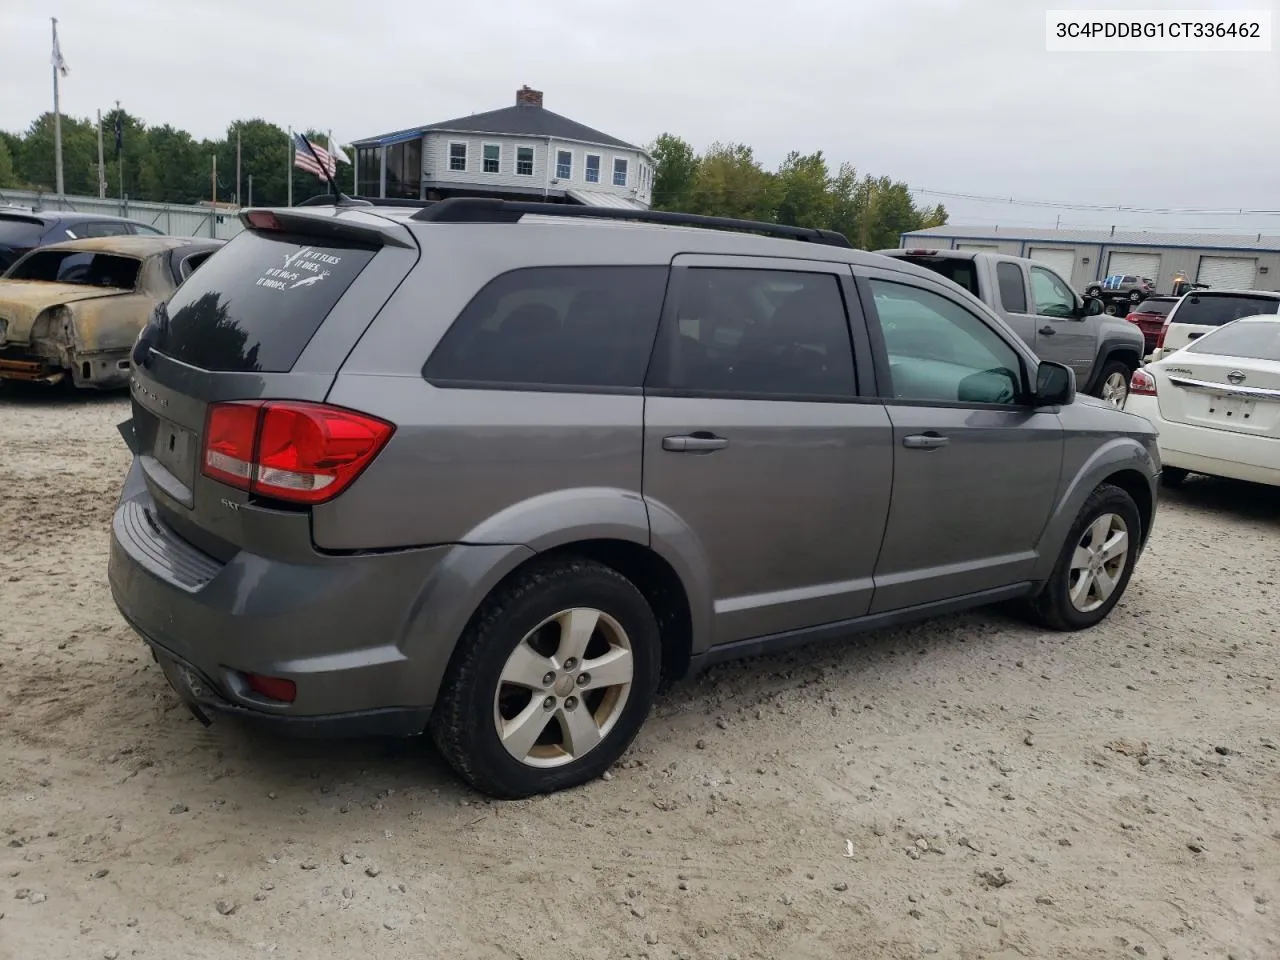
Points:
(1173, 476)
(1113, 385)
(1094, 291)
(1095, 564)
(1135, 296)
(551, 681)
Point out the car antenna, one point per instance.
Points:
(340, 199)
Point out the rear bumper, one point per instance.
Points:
(347, 630)
(1217, 453)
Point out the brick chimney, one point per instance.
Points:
(526, 96)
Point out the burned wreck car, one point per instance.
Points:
(76, 308)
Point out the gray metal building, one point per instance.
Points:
(1241, 262)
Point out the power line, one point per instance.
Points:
(1100, 207)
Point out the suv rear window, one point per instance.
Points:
(20, 231)
(255, 306)
(78, 266)
(1161, 307)
(1213, 310)
(955, 269)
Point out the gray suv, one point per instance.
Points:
(495, 469)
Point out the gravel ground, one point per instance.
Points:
(965, 788)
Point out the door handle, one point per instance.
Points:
(1196, 335)
(925, 441)
(694, 443)
(1047, 331)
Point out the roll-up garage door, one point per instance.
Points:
(1134, 264)
(1227, 273)
(977, 246)
(1060, 260)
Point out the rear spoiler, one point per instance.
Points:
(349, 223)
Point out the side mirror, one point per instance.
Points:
(1092, 307)
(1055, 384)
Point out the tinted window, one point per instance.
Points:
(1053, 297)
(257, 304)
(757, 333)
(1250, 341)
(1161, 307)
(76, 266)
(1213, 310)
(940, 352)
(555, 326)
(1013, 292)
(956, 269)
(146, 230)
(20, 232)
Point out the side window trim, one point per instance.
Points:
(855, 326)
(880, 354)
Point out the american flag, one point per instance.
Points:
(303, 157)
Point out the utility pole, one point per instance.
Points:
(102, 166)
(288, 166)
(58, 67)
(237, 164)
(250, 190)
(120, 153)
(213, 195)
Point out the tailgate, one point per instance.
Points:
(270, 316)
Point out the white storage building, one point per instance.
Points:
(1228, 261)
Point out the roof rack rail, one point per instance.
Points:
(489, 210)
(329, 200)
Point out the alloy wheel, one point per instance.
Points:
(1115, 389)
(1098, 562)
(563, 687)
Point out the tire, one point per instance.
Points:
(1136, 296)
(1110, 310)
(1173, 476)
(1113, 383)
(1093, 292)
(1053, 606)
(534, 611)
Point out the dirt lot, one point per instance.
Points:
(966, 788)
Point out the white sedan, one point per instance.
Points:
(1216, 403)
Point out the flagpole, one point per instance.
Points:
(57, 113)
(288, 157)
(237, 164)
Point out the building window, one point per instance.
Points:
(369, 165)
(524, 161)
(593, 168)
(619, 172)
(564, 165)
(492, 158)
(458, 156)
(404, 170)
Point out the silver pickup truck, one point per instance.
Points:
(1053, 320)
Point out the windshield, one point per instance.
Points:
(79, 267)
(1249, 340)
(1214, 310)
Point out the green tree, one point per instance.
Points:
(675, 172)
(730, 183)
(8, 172)
(803, 189)
(35, 159)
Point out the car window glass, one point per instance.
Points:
(77, 266)
(555, 326)
(1013, 292)
(1213, 310)
(757, 333)
(941, 352)
(1248, 341)
(1053, 297)
(103, 228)
(190, 263)
(147, 230)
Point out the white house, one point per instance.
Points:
(522, 152)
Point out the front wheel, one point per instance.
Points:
(1093, 292)
(1135, 296)
(1095, 565)
(1113, 385)
(551, 681)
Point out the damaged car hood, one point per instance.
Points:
(21, 301)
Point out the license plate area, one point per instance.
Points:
(174, 448)
(1229, 409)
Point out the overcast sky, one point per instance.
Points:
(951, 95)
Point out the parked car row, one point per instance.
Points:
(22, 230)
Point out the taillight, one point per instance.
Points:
(263, 220)
(273, 688)
(1164, 329)
(1131, 317)
(286, 450)
(1142, 384)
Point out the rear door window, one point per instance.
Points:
(1013, 292)
(1213, 310)
(547, 327)
(255, 306)
(104, 228)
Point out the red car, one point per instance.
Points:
(1149, 316)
